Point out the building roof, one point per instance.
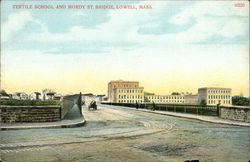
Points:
(214, 88)
(100, 95)
(3, 93)
(129, 88)
(123, 81)
(88, 94)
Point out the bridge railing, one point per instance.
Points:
(181, 108)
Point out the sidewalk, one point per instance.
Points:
(71, 120)
(211, 119)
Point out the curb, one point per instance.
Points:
(72, 125)
(188, 117)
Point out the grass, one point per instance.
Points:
(29, 102)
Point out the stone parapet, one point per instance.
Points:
(239, 113)
(30, 113)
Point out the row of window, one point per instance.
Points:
(217, 102)
(126, 85)
(130, 91)
(130, 96)
(165, 97)
(129, 101)
(168, 101)
(218, 96)
(218, 91)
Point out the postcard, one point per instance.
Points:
(127, 80)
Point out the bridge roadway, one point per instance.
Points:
(115, 134)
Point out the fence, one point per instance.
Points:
(191, 109)
(69, 101)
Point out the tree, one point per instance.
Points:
(148, 93)
(49, 92)
(203, 103)
(175, 93)
(3, 93)
(240, 101)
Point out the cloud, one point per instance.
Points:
(17, 22)
(216, 9)
(212, 20)
(195, 23)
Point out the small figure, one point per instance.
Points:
(137, 106)
(93, 105)
(153, 106)
(218, 108)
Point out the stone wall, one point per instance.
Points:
(30, 113)
(239, 113)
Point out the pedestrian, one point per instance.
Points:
(137, 106)
(153, 106)
(218, 108)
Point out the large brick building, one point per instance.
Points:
(125, 92)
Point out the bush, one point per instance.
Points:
(241, 101)
(203, 103)
(29, 102)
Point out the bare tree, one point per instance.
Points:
(49, 92)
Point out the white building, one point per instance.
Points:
(20, 96)
(165, 99)
(215, 95)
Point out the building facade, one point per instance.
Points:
(20, 96)
(125, 92)
(215, 95)
(129, 95)
(191, 99)
(165, 99)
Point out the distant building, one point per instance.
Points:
(57, 97)
(125, 92)
(99, 98)
(129, 95)
(191, 99)
(20, 96)
(215, 95)
(165, 98)
(35, 96)
(88, 97)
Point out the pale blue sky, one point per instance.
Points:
(189, 32)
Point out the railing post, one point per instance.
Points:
(218, 110)
(80, 102)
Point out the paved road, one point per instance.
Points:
(114, 134)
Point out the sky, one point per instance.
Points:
(175, 46)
